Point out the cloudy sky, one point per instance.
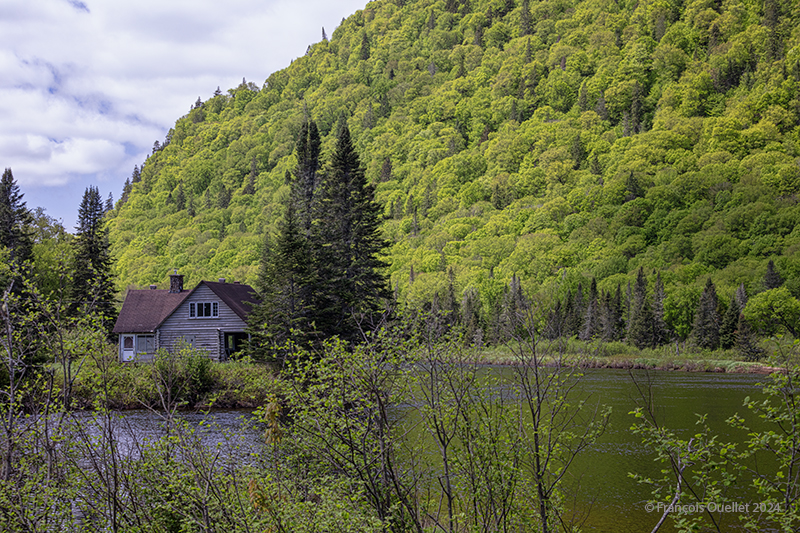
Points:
(87, 86)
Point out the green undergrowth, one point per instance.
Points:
(185, 381)
(189, 380)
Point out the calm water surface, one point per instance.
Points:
(613, 501)
(617, 502)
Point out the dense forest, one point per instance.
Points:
(562, 147)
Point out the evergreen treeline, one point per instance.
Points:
(552, 142)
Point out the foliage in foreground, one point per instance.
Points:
(701, 471)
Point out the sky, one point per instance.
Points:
(87, 86)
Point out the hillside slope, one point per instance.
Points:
(557, 140)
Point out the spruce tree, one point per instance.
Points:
(15, 221)
(306, 174)
(180, 198)
(471, 317)
(285, 284)
(640, 329)
(574, 316)
(746, 341)
(92, 282)
(525, 19)
(347, 243)
(772, 280)
(591, 317)
(730, 321)
(706, 322)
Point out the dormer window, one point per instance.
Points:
(204, 310)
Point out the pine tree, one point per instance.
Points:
(180, 198)
(772, 280)
(591, 317)
(514, 307)
(250, 186)
(223, 197)
(364, 47)
(525, 19)
(306, 174)
(706, 322)
(347, 243)
(126, 192)
(285, 283)
(554, 327)
(730, 321)
(640, 332)
(92, 282)
(746, 341)
(573, 319)
(471, 317)
(15, 221)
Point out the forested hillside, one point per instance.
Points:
(551, 141)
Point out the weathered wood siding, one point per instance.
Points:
(205, 331)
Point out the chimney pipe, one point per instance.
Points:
(222, 280)
(153, 287)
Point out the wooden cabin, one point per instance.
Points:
(212, 317)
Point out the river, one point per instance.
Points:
(612, 500)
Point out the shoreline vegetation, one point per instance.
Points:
(249, 384)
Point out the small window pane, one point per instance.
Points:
(207, 309)
(215, 311)
(192, 313)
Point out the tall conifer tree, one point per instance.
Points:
(92, 282)
(639, 330)
(347, 244)
(772, 280)
(15, 221)
(306, 174)
(285, 285)
(707, 321)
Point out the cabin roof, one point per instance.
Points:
(143, 311)
(240, 298)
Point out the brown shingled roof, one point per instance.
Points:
(144, 310)
(240, 298)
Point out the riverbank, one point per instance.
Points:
(192, 382)
(617, 355)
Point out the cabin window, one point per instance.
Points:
(204, 310)
(146, 344)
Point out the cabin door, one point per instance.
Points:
(128, 347)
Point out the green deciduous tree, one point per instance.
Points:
(772, 309)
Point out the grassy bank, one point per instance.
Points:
(188, 380)
(681, 356)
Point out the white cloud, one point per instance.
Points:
(86, 86)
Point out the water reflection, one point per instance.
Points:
(612, 500)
